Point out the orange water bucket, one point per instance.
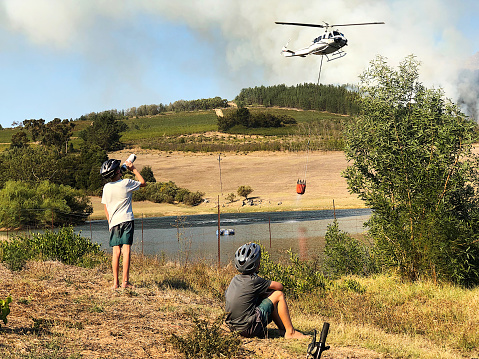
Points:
(300, 187)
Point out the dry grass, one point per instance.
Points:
(61, 311)
(272, 175)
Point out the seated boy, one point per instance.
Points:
(252, 302)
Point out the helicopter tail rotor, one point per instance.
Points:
(287, 52)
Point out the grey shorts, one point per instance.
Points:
(122, 234)
(263, 317)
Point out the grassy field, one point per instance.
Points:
(61, 311)
(175, 128)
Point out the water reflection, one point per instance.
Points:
(194, 238)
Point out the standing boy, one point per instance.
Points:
(252, 302)
(116, 198)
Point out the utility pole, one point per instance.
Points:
(221, 182)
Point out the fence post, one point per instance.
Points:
(269, 232)
(219, 233)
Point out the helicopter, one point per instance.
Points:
(330, 43)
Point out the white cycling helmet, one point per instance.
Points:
(247, 258)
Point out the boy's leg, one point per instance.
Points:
(281, 316)
(115, 265)
(126, 266)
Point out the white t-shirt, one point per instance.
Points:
(117, 197)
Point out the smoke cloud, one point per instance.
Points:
(247, 44)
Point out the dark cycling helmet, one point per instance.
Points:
(247, 258)
(109, 167)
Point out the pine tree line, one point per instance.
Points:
(335, 99)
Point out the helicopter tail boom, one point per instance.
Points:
(290, 53)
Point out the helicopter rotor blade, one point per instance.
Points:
(299, 24)
(327, 25)
(361, 23)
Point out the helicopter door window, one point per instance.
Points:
(330, 36)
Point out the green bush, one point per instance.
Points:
(147, 174)
(207, 340)
(167, 192)
(345, 255)
(42, 204)
(243, 117)
(4, 309)
(64, 246)
(298, 277)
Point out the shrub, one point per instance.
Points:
(299, 277)
(167, 192)
(207, 341)
(64, 246)
(147, 174)
(231, 197)
(345, 255)
(45, 203)
(4, 309)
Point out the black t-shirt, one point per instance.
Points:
(244, 294)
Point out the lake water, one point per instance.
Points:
(194, 238)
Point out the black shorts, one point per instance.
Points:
(122, 234)
(263, 318)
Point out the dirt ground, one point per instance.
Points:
(272, 175)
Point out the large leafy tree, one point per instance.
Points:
(44, 204)
(36, 127)
(105, 131)
(411, 162)
(57, 133)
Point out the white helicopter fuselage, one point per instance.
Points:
(322, 45)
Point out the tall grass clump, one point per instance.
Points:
(64, 246)
(206, 340)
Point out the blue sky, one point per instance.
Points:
(66, 58)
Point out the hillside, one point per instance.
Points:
(272, 175)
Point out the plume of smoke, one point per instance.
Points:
(250, 42)
(468, 90)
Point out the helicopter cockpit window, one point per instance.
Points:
(336, 33)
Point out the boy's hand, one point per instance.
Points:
(129, 165)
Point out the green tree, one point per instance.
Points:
(104, 131)
(32, 164)
(411, 162)
(19, 140)
(244, 191)
(36, 127)
(57, 133)
(87, 167)
(42, 204)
